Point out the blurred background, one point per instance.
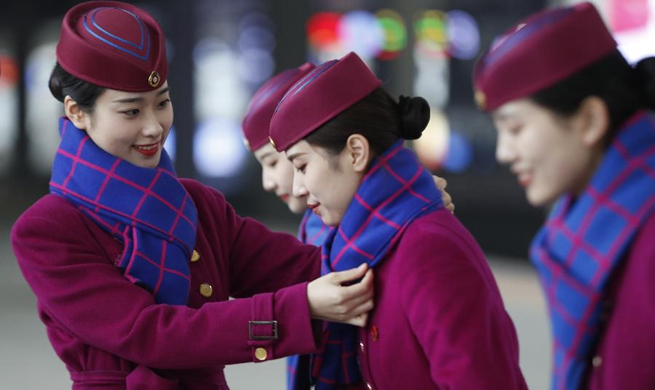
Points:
(220, 52)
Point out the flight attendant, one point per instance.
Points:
(277, 177)
(575, 125)
(439, 320)
(133, 267)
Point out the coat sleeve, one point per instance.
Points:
(455, 310)
(260, 260)
(87, 298)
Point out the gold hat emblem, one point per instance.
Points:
(154, 79)
(272, 142)
(480, 99)
(245, 142)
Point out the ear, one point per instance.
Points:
(358, 152)
(595, 120)
(74, 113)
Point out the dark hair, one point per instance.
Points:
(377, 117)
(624, 89)
(64, 84)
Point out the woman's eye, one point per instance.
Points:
(131, 113)
(514, 130)
(301, 169)
(165, 103)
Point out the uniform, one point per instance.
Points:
(438, 319)
(103, 327)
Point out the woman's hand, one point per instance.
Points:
(445, 197)
(330, 300)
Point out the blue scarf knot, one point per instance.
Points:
(148, 210)
(582, 243)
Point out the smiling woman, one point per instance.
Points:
(130, 263)
(129, 125)
(576, 127)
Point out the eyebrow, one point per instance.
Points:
(501, 116)
(139, 98)
(263, 156)
(298, 154)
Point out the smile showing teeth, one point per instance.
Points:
(147, 150)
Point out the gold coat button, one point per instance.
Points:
(361, 345)
(206, 290)
(368, 385)
(195, 256)
(261, 354)
(597, 361)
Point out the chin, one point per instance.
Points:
(297, 208)
(537, 200)
(330, 221)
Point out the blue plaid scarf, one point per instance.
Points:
(148, 210)
(312, 231)
(395, 191)
(583, 241)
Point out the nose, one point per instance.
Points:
(299, 189)
(152, 127)
(267, 182)
(505, 151)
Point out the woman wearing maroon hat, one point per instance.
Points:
(439, 321)
(574, 125)
(133, 267)
(277, 177)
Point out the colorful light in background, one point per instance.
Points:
(218, 149)
(43, 110)
(361, 32)
(9, 74)
(231, 62)
(441, 147)
(322, 30)
(432, 147)
(431, 34)
(8, 110)
(395, 34)
(330, 35)
(463, 34)
(438, 37)
(633, 24)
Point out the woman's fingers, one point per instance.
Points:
(446, 199)
(350, 275)
(330, 300)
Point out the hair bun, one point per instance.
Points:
(414, 113)
(645, 74)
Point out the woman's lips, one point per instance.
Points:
(147, 150)
(314, 207)
(524, 180)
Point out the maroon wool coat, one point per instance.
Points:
(625, 357)
(110, 333)
(439, 321)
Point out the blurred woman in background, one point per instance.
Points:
(574, 125)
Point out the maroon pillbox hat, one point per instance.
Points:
(321, 95)
(540, 51)
(113, 45)
(263, 103)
